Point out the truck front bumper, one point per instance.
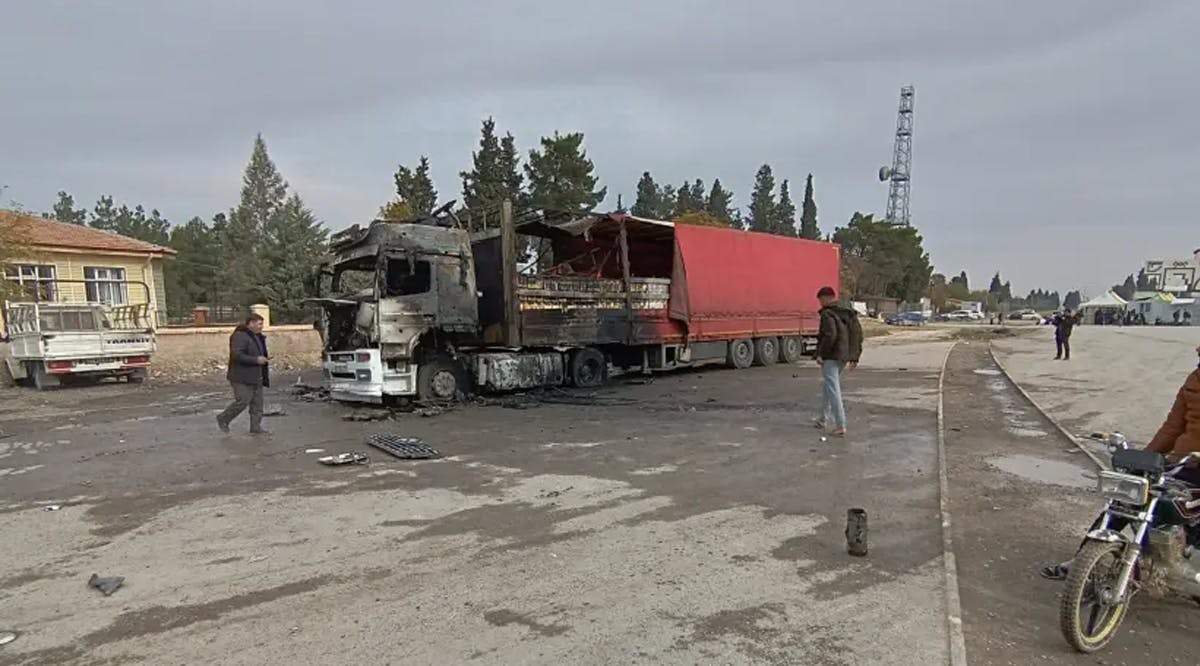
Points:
(362, 376)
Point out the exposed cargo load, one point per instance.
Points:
(437, 312)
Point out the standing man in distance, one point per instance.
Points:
(247, 374)
(839, 346)
(1064, 325)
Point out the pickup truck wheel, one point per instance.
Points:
(741, 354)
(791, 350)
(440, 380)
(588, 368)
(42, 380)
(766, 351)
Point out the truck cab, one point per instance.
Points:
(400, 294)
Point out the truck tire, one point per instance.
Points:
(441, 380)
(588, 368)
(766, 351)
(791, 350)
(741, 354)
(42, 380)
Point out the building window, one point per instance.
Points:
(106, 285)
(39, 281)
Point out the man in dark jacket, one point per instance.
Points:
(839, 346)
(247, 374)
(1064, 325)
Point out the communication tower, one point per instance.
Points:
(898, 175)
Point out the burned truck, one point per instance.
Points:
(431, 311)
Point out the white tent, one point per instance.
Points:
(1107, 301)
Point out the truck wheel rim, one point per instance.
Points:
(444, 384)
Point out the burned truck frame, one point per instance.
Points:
(429, 310)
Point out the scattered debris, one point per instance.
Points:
(53, 507)
(7, 637)
(106, 585)
(547, 494)
(367, 414)
(257, 558)
(309, 393)
(348, 458)
(640, 381)
(314, 450)
(430, 411)
(406, 448)
(274, 410)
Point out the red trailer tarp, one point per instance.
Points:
(728, 283)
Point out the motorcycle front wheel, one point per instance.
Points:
(1089, 615)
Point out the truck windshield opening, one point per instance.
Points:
(408, 279)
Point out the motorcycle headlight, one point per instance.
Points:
(1124, 487)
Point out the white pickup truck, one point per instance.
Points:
(52, 342)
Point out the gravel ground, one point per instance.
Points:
(1118, 378)
(694, 519)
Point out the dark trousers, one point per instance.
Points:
(1064, 346)
(244, 395)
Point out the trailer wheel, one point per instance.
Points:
(440, 380)
(766, 351)
(741, 354)
(791, 350)
(588, 368)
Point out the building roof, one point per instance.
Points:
(50, 234)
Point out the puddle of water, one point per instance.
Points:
(988, 371)
(1041, 470)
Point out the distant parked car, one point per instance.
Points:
(906, 319)
(963, 315)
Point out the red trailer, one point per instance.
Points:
(653, 294)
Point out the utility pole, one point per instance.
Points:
(898, 175)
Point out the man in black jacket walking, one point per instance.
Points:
(1064, 325)
(839, 346)
(247, 374)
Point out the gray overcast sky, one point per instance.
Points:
(1054, 141)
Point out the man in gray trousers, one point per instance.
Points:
(247, 374)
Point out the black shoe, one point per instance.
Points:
(222, 425)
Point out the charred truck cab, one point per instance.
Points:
(428, 310)
(407, 295)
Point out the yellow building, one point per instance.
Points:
(76, 264)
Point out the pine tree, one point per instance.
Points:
(561, 180)
(295, 241)
(415, 187)
(104, 214)
(684, 201)
(808, 213)
(264, 192)
(666, 203)
(510, 169)
(762, 201)
(395, 211)
(648, 201)
(719, 202)
(1072, 300)
(996, 286)
(785, 212)
(495, 174)
(64, 210)
(1142, 283)
(192, 276)
(698, 195)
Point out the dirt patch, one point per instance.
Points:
(503, 617)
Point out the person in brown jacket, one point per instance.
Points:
(1178, 436)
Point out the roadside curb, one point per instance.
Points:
(1046, 415)
(954, 625)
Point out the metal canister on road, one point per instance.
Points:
(856, 532)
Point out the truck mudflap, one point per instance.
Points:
(362, 376)
(511, 371)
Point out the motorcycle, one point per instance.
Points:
(1145, 539)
